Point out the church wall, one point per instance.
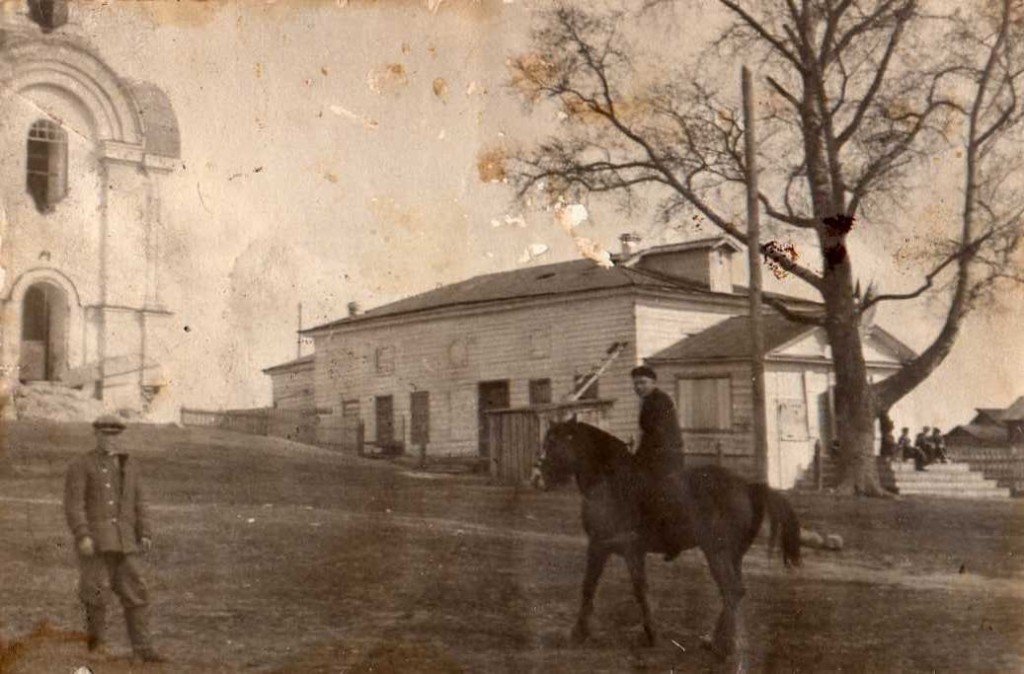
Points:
(68, 238)
(127, 225)
(97, 244)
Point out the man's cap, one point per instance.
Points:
(109, 423)
(643, 371)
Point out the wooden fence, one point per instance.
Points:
(297, 425)
(1005, 465)
(515, 434)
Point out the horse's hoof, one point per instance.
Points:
(579, 634)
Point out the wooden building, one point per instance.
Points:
(713, 388)
(292, 384)
(991, 427)
(425, 371)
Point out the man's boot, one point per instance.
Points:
(95, 626)
(137, 619)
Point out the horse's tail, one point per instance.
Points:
(782, 519)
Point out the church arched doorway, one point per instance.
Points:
(44, 333)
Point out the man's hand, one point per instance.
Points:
(86, 547)
(147, 544)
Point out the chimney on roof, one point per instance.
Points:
(353, 309)
(630, 242)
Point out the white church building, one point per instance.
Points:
(85, 152)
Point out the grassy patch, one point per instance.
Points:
(276, 557)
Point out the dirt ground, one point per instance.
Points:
(275, 557)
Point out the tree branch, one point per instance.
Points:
(962, 253)
(876, 84)
(756, 26)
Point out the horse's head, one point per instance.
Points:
(557, 460)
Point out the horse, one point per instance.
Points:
(713, 509)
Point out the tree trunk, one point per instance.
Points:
(854, 401)
(855, 408)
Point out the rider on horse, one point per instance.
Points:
(658, 456)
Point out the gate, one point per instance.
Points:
(515, 434)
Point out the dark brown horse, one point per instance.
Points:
(716, 510)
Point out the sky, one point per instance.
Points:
(331, 152)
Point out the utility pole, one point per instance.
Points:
(754, 262)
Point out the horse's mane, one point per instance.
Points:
(607, 447)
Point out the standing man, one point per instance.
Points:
(904, 445)
(107, 514)
(658, 456)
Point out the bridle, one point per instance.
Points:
(536, 472)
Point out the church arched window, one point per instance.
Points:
(47, 166)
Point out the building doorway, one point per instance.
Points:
(44, 333)
(384, 413)
(493, 395)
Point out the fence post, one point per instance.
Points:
(423, 455)
(719, 453)
(817, 465)
(1016, 472)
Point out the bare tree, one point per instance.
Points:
(863, 93)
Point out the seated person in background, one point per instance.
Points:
(923, 442)
(938, 446)
(909, 451)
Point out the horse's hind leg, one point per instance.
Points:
(638, 574)
(596, 558)
(725, 571)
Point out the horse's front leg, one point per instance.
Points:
(597, 555)
(638, 574)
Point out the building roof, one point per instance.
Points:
(1014, 412)
(551, 280)
(730, 339)
(561, 278)
(993, 413)
(980, 433)
(290, 365)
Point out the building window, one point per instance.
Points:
(792, 418)
(540, 343)
(47, 164)
(458, 352)
(592, 391)
(540, 391)
(384, 360)
(350, 409)
(705, 404)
